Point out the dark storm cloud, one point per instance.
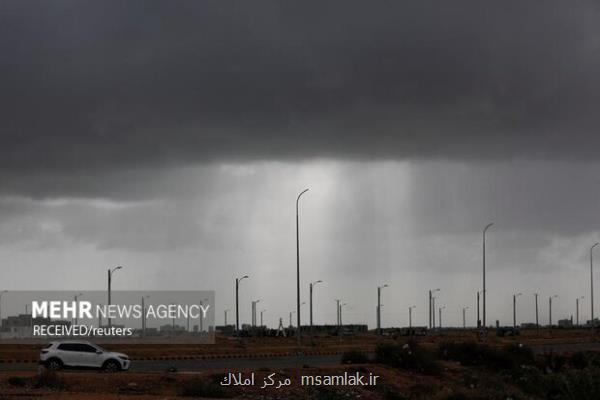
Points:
(94, 87)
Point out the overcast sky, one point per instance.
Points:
(173, 138)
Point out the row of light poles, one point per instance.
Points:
(536, 300)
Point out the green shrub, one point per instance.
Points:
(17, 381)
(201, 388)
(354, 357)
(409, 356)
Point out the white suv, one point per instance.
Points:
(80, 354)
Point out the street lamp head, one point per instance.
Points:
(488, 226)
(436, 290)
(595, 244)
(555, 296)
(518, 294)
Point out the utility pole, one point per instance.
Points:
(410, 316)
(433, 313)
(440, 319)
(225, 312)
(261, 317)
(484, 231)
(464, 317)
(337, 310)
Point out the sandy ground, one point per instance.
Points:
(227, 346)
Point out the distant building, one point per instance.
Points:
(528, 325)
(20, 326)
(565, 323)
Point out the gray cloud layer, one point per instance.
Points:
(100, 86)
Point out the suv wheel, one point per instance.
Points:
(54, 364)
(111, 366)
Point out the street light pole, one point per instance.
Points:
(75, 298)
(298, 266)
(433, 313)
(110, 273)
(484, 231)
(432, 308)
(410, 316)
(237, 302)
(515, 309)
(592, 282)
(1, 293)
(201, 322)
(225, 312)
(464, 317)
(379, 288)
(550, 309)
(341, 308)
(440, 319)
(577, 308)
(537, 320)
(312, 285)
(261, 317)
(144, 316)
(254, 303)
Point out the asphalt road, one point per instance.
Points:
(199, 365)
(272, 363)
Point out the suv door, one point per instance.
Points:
(87, 356)
(67, 352)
